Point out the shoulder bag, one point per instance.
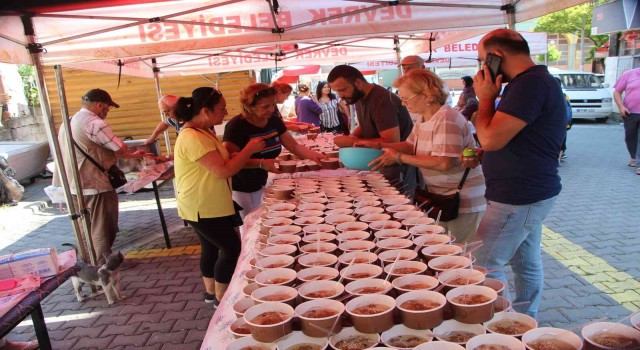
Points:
(436, 203)
(448, 204)
(115, 175)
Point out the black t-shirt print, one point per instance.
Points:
(239, 132)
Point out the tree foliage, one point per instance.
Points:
(29, 82)
(553, 54)
(572, 20)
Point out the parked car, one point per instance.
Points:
(589, 98)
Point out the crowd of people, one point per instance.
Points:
(503, 202)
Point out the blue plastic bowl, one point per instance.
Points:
(358, 157)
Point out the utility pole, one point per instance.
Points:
(582, 45)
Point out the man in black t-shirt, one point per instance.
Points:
(381, 118)
(521, 138)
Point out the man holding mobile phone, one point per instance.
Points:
(521, 138)
(629, 83)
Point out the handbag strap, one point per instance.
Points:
(464, 178)
(88, 156)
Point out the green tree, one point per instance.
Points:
(572, 20)
(553, 54)
(29, 82)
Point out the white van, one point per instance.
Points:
(589, 98)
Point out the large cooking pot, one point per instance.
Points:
(128, 165)
(136, 145)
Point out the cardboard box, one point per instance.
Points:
(41, 261)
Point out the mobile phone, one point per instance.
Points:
(493, 62)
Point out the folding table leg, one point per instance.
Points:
(162, 221)
(41, 328)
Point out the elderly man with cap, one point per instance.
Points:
(412, 62)
(93, 136)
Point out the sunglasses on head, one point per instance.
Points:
(266, 92)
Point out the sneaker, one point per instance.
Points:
(632, 163)
(211, 299)
(638, 171)
(564, 155)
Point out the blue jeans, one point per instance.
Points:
(512, 234)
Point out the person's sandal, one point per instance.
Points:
(632, 163)
(638, 171)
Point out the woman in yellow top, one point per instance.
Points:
(203, 175)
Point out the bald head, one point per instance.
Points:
(411, 62)
(506, 40)
(167, 105)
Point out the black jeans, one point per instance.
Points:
(631, 134)
(220, 247)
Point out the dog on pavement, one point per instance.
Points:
(106, 275)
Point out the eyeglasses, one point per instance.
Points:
(405, 100)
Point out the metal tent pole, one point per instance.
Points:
(510, 11)
(396, 47)
(35, 50)
(156, 78)
(85, 218)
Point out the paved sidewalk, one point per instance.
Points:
(591, 249)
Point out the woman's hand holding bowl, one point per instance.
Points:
(389, 157)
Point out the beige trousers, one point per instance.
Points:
(103, 212)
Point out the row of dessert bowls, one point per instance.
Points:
(417, 317)
(414, 318)
(402, 337)
(474, 337)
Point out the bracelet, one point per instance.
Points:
(260, 164)
(398, 158)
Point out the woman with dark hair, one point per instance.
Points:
(329, 118)
(203, 170)
(467, 81)
(258, 121)
(306, 107)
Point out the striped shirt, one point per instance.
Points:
(99, 132)
(446, 134)
(329, 116)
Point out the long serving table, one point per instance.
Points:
(163, 175)
(218, 335)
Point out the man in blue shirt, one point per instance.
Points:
(521, 137)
